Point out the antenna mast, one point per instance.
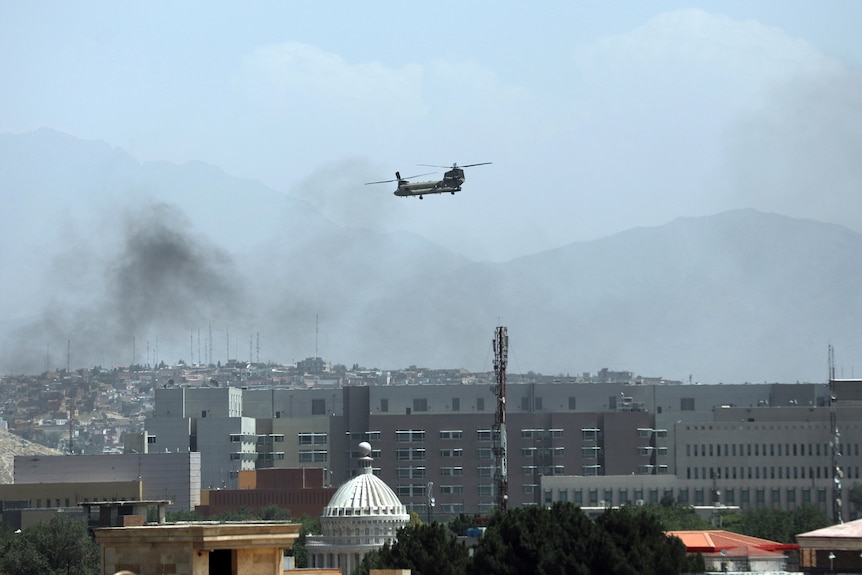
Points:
(501, 472)
(835, 443)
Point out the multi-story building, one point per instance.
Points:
(437, 440)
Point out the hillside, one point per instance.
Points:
(12, 445)
(119, 261)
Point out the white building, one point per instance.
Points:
(362, 515)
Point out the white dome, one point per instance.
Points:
(363, 515)
(364, 495)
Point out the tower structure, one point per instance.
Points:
(501, 472)
(835, 443)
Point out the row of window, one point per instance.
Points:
(760, 449)
(768, 472)
(421, 489)
(701, 496)
(527, 404)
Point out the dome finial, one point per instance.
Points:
(365, 459)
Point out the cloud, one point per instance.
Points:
(298, 79)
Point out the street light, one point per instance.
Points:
(831, 559)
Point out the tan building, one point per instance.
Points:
(837, 548)
(201, 548)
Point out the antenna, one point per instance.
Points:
(68, 355)
(837, 474)
(501, 472)
(316, 332)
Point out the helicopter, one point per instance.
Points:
(450, 183)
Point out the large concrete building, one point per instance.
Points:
(686, 441)
(159, 476)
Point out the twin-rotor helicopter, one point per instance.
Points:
(450, 183)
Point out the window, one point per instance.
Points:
(592, 470)
(410, 472)
(573, 403)
(411, 490)
(525, 404)
(484, 453)
(384, 405)
(686, 404)
(483, 434)
(590, 433)
(318, 407)
(420, 404)
(480, 404)
(451, 434)
(452, 452)
(312, 438)
(451, 489)
(486, 490)
(563, 495)
(591, 451)
(410, 454)
(451, 471)
(410, 436)
(485, 472)
(312, 455)
(456, 404)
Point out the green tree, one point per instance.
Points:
(634, 541)
(539, 540)
(426, 549)
(856, 496)
(781, 526)
(676, 516)
(60, 546)
(310, 526)
(273, 513)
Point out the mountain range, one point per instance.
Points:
(110, 261)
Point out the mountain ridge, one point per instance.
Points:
(159, 253)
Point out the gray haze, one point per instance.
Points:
(161, 254)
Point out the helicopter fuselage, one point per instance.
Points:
(450, 183)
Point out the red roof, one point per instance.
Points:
(718, 540)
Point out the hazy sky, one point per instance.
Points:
(597, 116)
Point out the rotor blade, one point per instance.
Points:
(418, 175)
(479, 164)
(380, 182)
(434, 166)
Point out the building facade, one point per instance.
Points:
(435, 441)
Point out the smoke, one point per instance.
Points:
(340, 192)
(797, 154)
(135, 291)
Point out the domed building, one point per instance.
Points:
(362, 515)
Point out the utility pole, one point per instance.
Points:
(501, 471)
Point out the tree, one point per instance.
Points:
(310, 526)
(559, 539)
(426, 549)
(634, 541)
(856, 496)
(676, 516)
(61, 546)
(781, 526)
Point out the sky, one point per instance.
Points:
(598, 116)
